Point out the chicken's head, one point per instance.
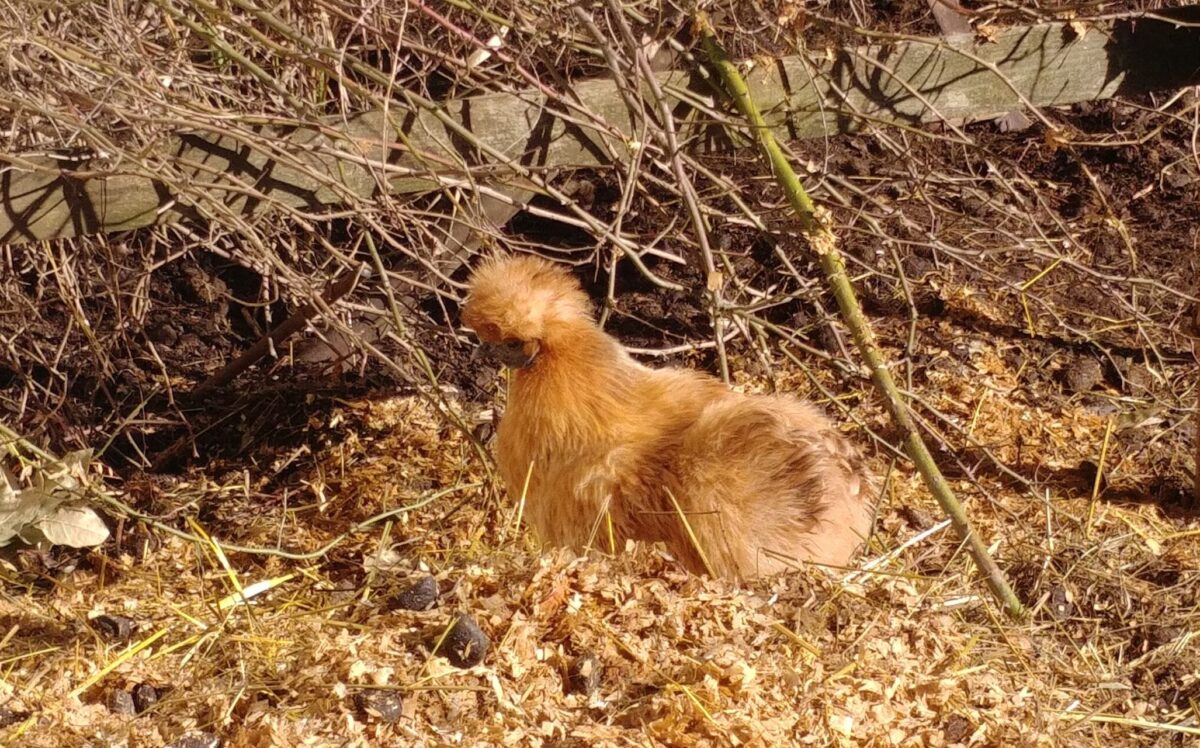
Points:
(518, 305)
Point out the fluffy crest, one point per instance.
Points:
(523, 298)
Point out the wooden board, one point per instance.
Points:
(495, 137)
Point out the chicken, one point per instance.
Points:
(604, 449)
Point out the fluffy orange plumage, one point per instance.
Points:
(763, 481)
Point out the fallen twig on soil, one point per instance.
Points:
(333, 291)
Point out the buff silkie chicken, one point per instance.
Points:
(604, 449)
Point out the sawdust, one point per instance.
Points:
(910, 653)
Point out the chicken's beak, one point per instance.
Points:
(514, 354)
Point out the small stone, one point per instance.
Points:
(12, 716)
(583, 677)
(1159, 635)
(422, 595)
(827, 338)
(1178, 178)
(144, 697)
(164, 334)
(916, 518)
(196, 740)
(114, 628)
(380, 704)
(120, 701)
(1082, 375)
(957, 729)
(465, 644)
(1060, 605)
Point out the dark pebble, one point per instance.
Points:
(916, 518)
(583, 677)
(144, 697)
(465, 644)
(120, 701)
(381, 704)
(422, 595)
(827, 339)
(114, 628)
(1082, 375)
(1060, 603)
(196, 740)
(165, 334)
(957, 729)
(1159, 635)
(12, 716)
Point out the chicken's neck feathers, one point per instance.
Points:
(579, 384)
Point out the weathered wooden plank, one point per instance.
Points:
(915, 81)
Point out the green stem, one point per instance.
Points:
(814, 222)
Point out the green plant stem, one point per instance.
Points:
(814, 223)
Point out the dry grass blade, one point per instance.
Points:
(691, 534)
(117, 661)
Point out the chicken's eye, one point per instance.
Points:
(512, 350)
